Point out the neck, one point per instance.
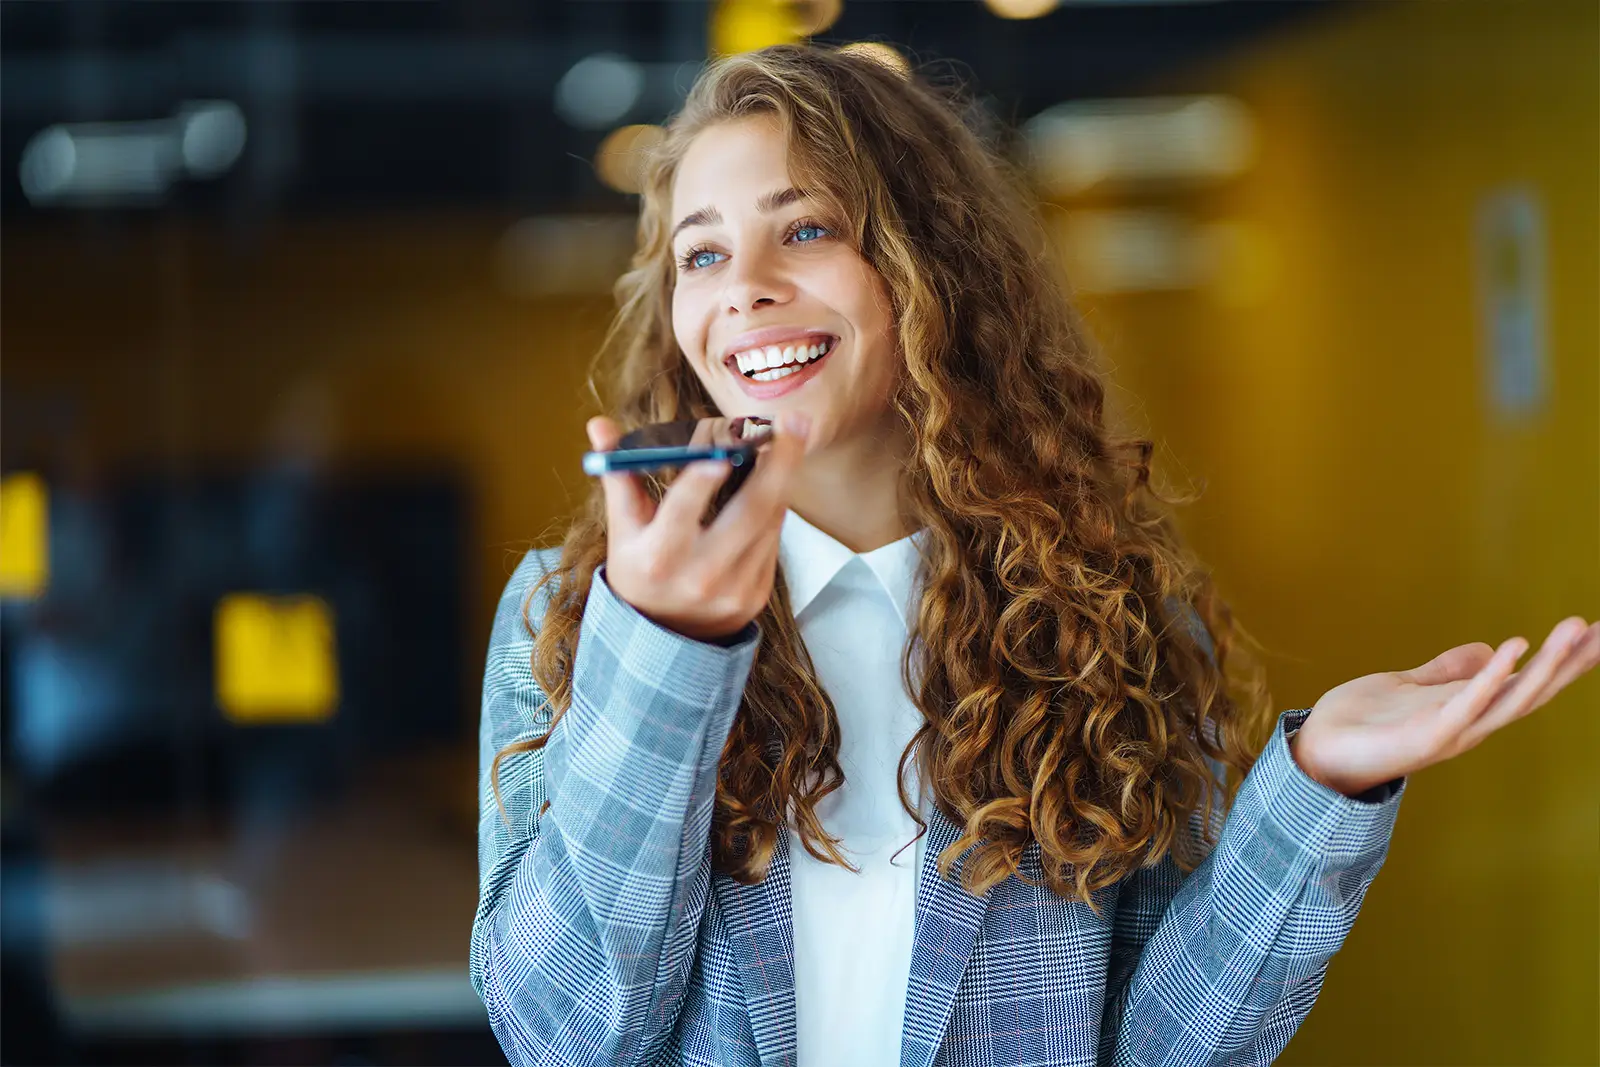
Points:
(851, 492)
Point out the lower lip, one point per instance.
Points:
(788, 383)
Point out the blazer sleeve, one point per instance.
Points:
(1221, 966)
(588, 916)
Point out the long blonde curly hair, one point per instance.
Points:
(1069, 699)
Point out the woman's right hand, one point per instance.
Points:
(704, 582)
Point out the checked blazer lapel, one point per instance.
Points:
(948, 920)
(760, 921)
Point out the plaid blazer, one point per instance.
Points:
(602, 935)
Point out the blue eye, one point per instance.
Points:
(701, 258)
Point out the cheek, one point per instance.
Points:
(691, 340)
(876, 318)
(866, 293)
(680, 321)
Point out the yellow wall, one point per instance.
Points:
(373, 343)
(1365, 508)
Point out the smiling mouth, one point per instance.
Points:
(779, 361)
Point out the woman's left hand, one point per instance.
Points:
(1383, 726)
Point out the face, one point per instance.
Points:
(772, 309)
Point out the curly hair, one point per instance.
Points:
(1070, 698)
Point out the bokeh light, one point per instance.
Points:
(1021, 9)
(816, 16)
(882, 53)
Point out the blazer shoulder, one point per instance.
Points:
(1185, 612)
(536, 563)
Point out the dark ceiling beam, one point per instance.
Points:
(320, 69)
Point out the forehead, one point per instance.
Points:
(729, 165)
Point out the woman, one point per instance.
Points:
(942, 613)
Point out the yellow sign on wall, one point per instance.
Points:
(276, 659)
(24, 535)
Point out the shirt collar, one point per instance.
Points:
(811, 559)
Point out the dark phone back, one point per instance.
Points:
(717, 430)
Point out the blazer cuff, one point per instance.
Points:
(698, 673)
(1290, 724)
(1312, 816)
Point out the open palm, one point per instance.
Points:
(1383, 726)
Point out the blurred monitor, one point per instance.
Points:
(110, 678)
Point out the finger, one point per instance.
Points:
(723, 433)
(688, 497)
(757, 508)
(1517, 699)
(603, 433)
(628, 506)
(1457, 713)
(1584, 656)
(1581, 655)
(759, 562)
(1455, 665)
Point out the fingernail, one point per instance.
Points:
(795, 422)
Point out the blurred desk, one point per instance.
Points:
(353, 916)
(299, 1005)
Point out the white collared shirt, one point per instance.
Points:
(853, 931)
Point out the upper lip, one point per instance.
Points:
(770, 335)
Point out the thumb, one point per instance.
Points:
(628, 506)
(785, 448)
(1455, 665)
(603, 433)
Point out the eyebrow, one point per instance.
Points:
(710, 216)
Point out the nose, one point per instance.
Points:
(756, 280)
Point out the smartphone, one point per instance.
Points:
(665, 445)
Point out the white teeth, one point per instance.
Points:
(775, 357)
(775, 374)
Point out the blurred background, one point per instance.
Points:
(298, 304)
